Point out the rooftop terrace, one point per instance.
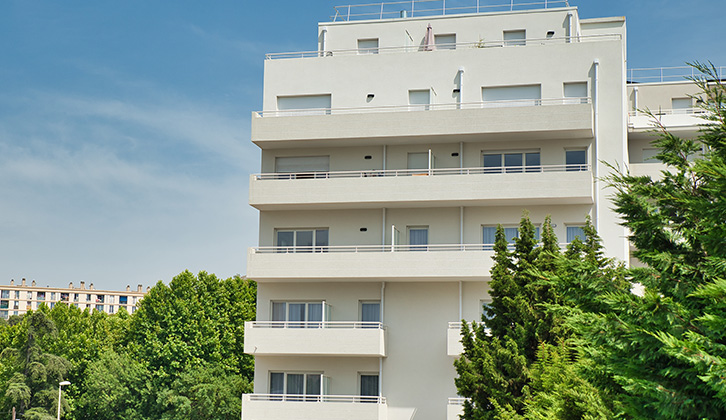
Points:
(420, 8)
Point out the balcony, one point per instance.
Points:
(322, 338)
(682, 122)
(455, 408)
(325, 407)
(453, 339)
(439, 187)
(447, 262)
(540, 119)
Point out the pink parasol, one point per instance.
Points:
(429, 43)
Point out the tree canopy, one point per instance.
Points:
(179, 356)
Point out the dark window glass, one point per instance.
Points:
(576, 160)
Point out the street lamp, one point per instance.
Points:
(60, 386)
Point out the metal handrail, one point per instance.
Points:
(457, 400)
(374, 248)
(665, 74)
(413, 8)
(315, 324)
(352, 399)
(679, 111)
(449, 47)
(375, 173)
(512, 103)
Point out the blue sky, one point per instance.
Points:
(124, 125)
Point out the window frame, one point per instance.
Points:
(525, 168)
(367, 50)
(295, 248)
(577, 167)
(305, 396)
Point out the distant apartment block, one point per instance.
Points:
(17, 299)
(390, 153)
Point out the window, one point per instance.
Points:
(308, 386)
(369, 386)
(576, 160)
(40, 296)
(575, 232)
(370, 311)
(511, 162)
(110, 309)
(419, 99)
(88, 298)
(514, 38)
(99, 308)
(575, 93)
(76, 296)
(489, 235)
(299, 314)
(123, 300)
(111, 299)
(681, 105)
(368, 46)
(17, 295)
(418, 160)
(4, 314)
(649, 155)
(511, 96)
(418, 238)
(4, 304)
(304, 104)
(302, 240)
(445, 42)
(5, 294)
(29, 295)
(100, 298)
(303, 166)
(52, 295)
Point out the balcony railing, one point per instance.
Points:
(375, 248)
(426, 107)
(316, 324)
(668, 74)
(456, 400)
(444, 47)
(423, 172)
(422, 8)
(659, 112)
(351, 399)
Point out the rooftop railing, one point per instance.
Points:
(419, 8)
(351, 399)
(425, 107)
(668, 74)
(423, 172)
(374, 248)
(445, 47)
(354, 325)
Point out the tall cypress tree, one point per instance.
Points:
(494, 368)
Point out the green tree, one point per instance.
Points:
(663, 353)
(494, 368)
(33, 372)
(193, 325)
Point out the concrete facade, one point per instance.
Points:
(376, 207)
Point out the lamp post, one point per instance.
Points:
(60, 387)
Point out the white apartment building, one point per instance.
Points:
(17, 299)
(389, 156)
